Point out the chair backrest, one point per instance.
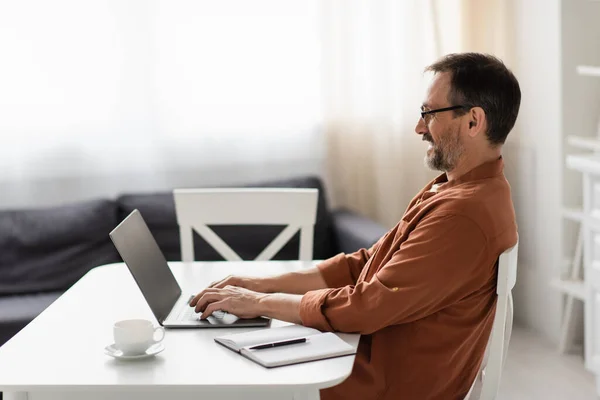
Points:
(198, 208)
(487, 381)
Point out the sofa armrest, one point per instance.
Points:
(354, 232)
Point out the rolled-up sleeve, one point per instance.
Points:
(439, 263)
(344, 269)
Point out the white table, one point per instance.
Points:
(60, 354)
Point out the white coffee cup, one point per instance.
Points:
(135, 336)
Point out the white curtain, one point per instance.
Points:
(374, 54)
(102, 97)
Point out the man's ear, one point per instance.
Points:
(476, 121)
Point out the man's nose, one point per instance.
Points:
(421, 128)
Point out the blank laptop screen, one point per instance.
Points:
(147, 264)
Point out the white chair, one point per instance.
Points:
(487, 381)
(198, 208)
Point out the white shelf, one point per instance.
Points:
(574, 214)
(584, 142)
(575, 288)
(587, 70)
(589, 163)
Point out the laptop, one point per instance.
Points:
(147, 264)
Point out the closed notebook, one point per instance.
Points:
(318, 345)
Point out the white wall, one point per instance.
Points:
(536, 152)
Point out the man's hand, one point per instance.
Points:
(298, 282)
(246, 303)
(238, 301)
(251, 283)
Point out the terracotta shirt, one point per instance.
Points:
(423, 297)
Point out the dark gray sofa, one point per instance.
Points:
(44, 251)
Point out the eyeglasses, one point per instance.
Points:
(427, 115)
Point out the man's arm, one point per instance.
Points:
(334, 272)
(248, 304)
(280, 297)
(294, 282)
(282, 306)
(337, 271)
(416, 283)
(440, 263)
(298, 282)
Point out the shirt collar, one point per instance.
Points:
(486, 170)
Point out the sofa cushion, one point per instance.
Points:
(355, 232)
(18, 311)
(158, 210)
(49, 249)
(24, 308)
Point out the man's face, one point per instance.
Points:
(442, 130)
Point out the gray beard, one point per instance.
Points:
(444, 159)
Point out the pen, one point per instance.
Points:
(277, 344)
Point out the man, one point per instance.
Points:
(423, 297)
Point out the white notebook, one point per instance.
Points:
(317, 345)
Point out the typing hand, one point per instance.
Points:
(254, 284)
(238, 301)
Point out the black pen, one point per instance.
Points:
(277, 344)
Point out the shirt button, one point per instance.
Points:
(395, 289)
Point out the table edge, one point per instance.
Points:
(170, 387)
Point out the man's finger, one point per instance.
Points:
(197, 297)
(229, 281)
(212, 307)
(221, 285)
(207, 298)
(217, 284)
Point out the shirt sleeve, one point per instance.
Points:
(344, 269)
(440, 262)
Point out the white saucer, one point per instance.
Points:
(153, 350)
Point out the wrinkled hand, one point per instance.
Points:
(254, 284)
(238, 301)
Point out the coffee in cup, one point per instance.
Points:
(135, 336)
